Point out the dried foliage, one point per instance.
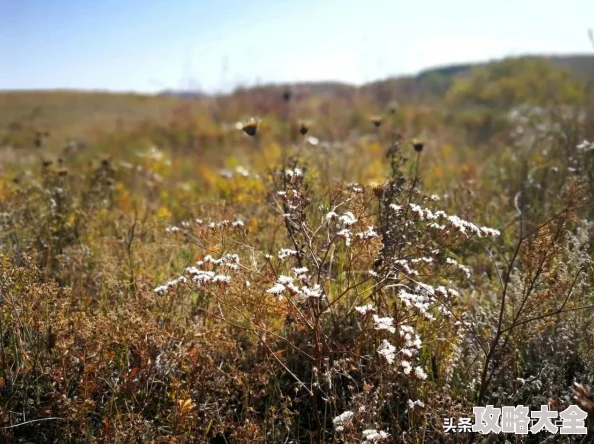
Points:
(328, 286)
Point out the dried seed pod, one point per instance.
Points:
(287, 95)
(304, 127)
(378, 189)
(250, 127)
(393, 107)
(418, 145)
(376, 120)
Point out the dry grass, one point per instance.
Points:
(180, 280)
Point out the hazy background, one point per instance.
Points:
(150, 45)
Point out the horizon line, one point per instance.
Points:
(239, 86)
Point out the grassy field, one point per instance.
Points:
(352, 265)
(74, 114)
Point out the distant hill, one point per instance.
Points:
(300, 88)
(183, 94)
(428, 83)
(581, 65)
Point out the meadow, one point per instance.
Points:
(303, 263)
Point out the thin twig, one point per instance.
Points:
(33, 421)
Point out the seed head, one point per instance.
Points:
(62, 172)
(303, 127)
(376, 120)
(418, 145)
(287, 95)
(250, 127)
(378, 188)
(393, 107)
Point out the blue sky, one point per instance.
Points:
(150, 45)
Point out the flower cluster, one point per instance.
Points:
(286, 284)
(343, 419)
(372, 435)
(450, 222)
(585, 146)
(203, 277)
(162, 289)
(239, 170)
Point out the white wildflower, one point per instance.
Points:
(200, 276)
(242, 171)
(346, 235)
(222, 278)
(276, 289)
(406, 329)
(286, 252)
(331, 216)
(372, 435)
(491, 232)
(314, 292)
(364, 309)
(356, 188)
(417, 211)
(284, 280)
(426, 260)
(464, 268)
(343, 419)
(453, 292)
(161, 289)
(369, 234)
(209, 259)
(384, 323)
(347, 219)
(299, 272)
(412, 404)
(232, 257)
(406, 367)
(585, 146)
(388, 351)
(441, 291)
(397, 208)
(420, 373)
(313, 140)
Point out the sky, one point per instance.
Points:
(216, 45)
